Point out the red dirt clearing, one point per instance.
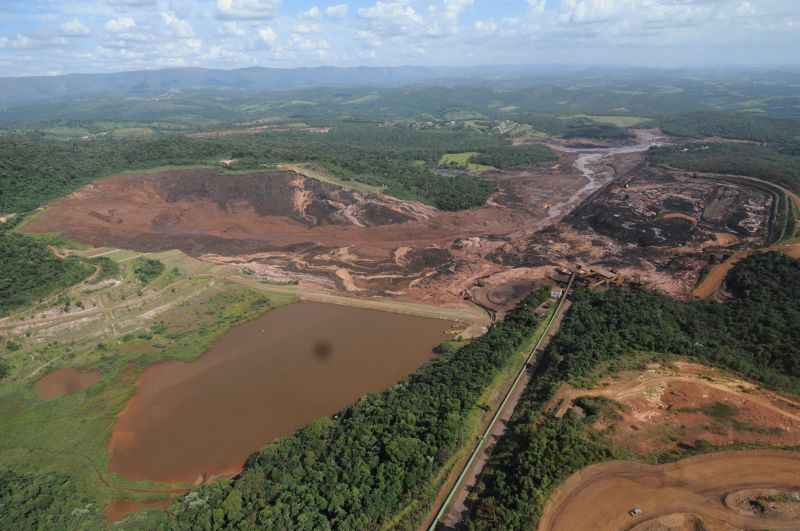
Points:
(599, 497)
(665, 407)
(285, 226)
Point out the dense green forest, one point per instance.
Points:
(593, 130)
(358, 469)
(572, 126)
(29, 271)
(508, 157)
(45, 501)
(741, 126)
(756, 334)
(737, 159)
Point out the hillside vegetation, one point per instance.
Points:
(509, 157)
(29, 271)
(749, 160)
(740, 126)
(34, 170)
(757, 334)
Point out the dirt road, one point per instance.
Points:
(599, 497)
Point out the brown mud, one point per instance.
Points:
(190, 422)
(599, 206)
(65, 381)
(666, 408)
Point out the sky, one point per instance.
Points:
(49, 37)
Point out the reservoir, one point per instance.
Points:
(190, 422)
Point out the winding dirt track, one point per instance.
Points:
(599, 497)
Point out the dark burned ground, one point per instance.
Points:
(654, 208)
(651, 226)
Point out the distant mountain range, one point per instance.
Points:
(21, 93)
(27, 90)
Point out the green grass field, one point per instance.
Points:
(619, 121)
(462, 160)
(315, 172)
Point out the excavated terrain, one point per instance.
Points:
(597, 208)
(652, 227)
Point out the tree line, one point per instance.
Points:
(762, 162)
(756, 334)
(34, 170)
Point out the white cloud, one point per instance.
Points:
(307, 28)
(313, 13)
(179, 27)
(132, 3)
(745, 9)
(248, 9)
(337, 11)
(369, 38)
(486, 26)
(454, 8)
(396, 11)
(135, 33)
(268, 36)
(121, 24)
(74, 28)
(19, 42)
(537, 6)
(300, 42)
(234, 29)
(25, 42)
(393, 17)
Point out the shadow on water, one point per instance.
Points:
(323, 350)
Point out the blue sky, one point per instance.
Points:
(44, 37)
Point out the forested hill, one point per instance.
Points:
(757, 334)
(740, 126)
(15, 91)
(762, 162)
(400, 160)
(29, 271)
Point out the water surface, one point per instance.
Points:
(263, 380)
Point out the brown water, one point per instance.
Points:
(263, 380)
(65, 382)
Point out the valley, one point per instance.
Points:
(482, 317)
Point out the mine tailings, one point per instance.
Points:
(190, 422)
